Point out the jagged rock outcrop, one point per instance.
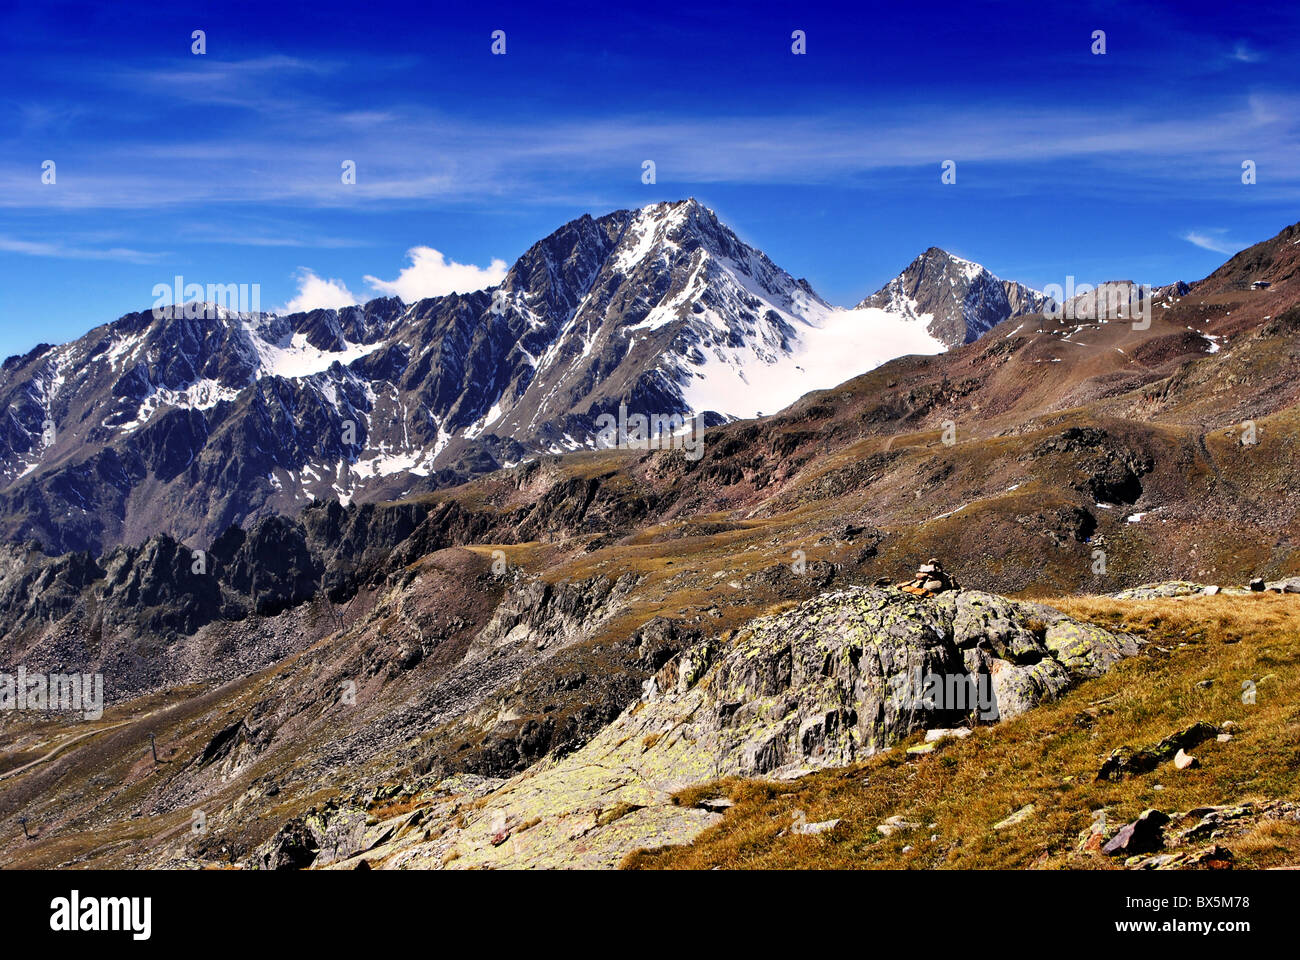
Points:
(539, 614)
(35, 588)
(568, 689)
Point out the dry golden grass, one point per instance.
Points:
(1049, 758)
(616, 812)
(395, 809)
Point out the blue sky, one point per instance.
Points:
(225, 167)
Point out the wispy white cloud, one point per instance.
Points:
(240, 83)
(1245, 53)
(1208, 241)
(406, 154)
(39, 248)
(315, 293)
(432, 275)
(279, 235)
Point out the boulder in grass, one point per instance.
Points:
(1143, 835)
(1126, 761)
(811, 829)
(1017, 818)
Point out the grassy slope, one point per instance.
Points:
(1050, 757)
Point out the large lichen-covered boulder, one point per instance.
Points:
(828, 683)
(850, 672)
(1016, 687)
(997, 625)
(832, 680)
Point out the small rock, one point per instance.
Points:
(811, 828)
(921, 748)
(1183, 760)
(717, 803)
(1126, 761)
(895, 824)
(961, 733)
(1213, 857)
(1092, 841)
(1159, 861)
(1212, 821)
(1223, 737)
(1020, 816)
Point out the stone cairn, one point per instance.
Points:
(929, 580)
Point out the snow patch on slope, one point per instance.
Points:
(764, 341)
(832, 347)
(649, 232)
(297, 358)
(200, 395)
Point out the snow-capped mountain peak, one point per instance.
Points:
(957, 299)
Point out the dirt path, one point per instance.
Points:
(63, 746)
(1223, 483)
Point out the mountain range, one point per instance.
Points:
(166, 421)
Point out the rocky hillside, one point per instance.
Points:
(773, 698)
(1274, 262)
(1161, 764)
